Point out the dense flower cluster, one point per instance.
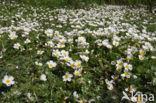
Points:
(55, 55)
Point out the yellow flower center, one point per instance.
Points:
(40, 52)
(49, 35)
(57, 33)
(8, 81)
(72, 65)
(66, 76)
(142, 53)
(27, 30)
(83, 58)
(57, 54)
(118, 69)
(46, 32)
(77, 73)
(80, 101)
(127, 66)
(60, 46)
(78, 65)
(17, 46)
(63, 41)
(120, 63)
(130, 89)
(128, 58)
(126, 74)
(141, 58)
(66, 59)
(115, 43)
(81, 40)
(51, 65)
(64, 53)
(109, 86)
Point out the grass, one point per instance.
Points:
(82, 3)
(95, 39)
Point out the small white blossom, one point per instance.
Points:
(51, 64)
(43, 77)
(17, 46)
(67, 77)
(8, 80)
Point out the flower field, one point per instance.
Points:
(90, 55)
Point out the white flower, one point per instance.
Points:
(109, 82)
(60, 45)
(66, 58)
(110, 86)
(141, 57)
(80, 32)
(51, 64)
(75, 94)
(8, 80)
(116, 38)
(50, 43)
(118, 68)
(153, 57)
(77, 63)
(40, 52)
(77, 72)
(115, 43)
(81, 39)
(57, 32)
(43, 77)
(67, 77)
(132, 89)
(145, 48)
(17, 45)
(38, 64)
(84, 58)
(71, 64)
(142, 52)
(27, 30)
(113, 62)
(86, 52)
(56, 53)
(27, 41)
(49, 32)
(64, 53)
(151, 48)
(147, 44)
(1, 32)
(119, 63)
(109, 46)
(62, 41)
(30, 97)
(105, 42)
(127, 66)
(135, 77)
(129, 57)
(125, 75)
(13, 35)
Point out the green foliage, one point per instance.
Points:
(91, 85)
(81, 3)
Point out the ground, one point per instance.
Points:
(76, 55)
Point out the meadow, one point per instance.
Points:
(93, 54)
